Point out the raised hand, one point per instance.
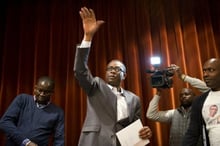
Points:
(90, 24)
(177, 69)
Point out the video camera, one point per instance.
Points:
(161, 78)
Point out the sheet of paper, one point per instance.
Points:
(129, 135)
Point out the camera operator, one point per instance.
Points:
(177, 118)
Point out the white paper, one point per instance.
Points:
(129, 136)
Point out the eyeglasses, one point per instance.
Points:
(116, 69)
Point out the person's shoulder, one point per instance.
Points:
(199, 100)
(201, 97)
(24, 96)
(99, 79)
(23, 99)
(127, 92)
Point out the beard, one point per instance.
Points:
(186, 105)
(42, 99)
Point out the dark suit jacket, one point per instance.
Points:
(101, 124)
(197, 123)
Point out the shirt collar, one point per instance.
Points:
(111, 87)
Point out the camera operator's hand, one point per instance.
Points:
(178, 71)
(158, 91)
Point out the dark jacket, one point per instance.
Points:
(197, 125)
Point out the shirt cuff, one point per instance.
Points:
(85, 44)
(25, 142)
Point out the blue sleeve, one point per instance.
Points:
(9, 120)
(59, 131)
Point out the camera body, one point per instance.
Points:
(161, 78)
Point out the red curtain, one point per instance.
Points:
(38, 37)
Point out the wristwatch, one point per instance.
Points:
(25, 142)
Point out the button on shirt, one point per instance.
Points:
(122, 108)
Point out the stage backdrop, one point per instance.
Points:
(38, 37)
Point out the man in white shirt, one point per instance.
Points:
(200, 120)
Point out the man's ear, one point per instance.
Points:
(123, 75)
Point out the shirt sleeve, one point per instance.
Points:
(197, 83)
(153, 112)
(85, 44)
(59, 131)
(8, 121)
